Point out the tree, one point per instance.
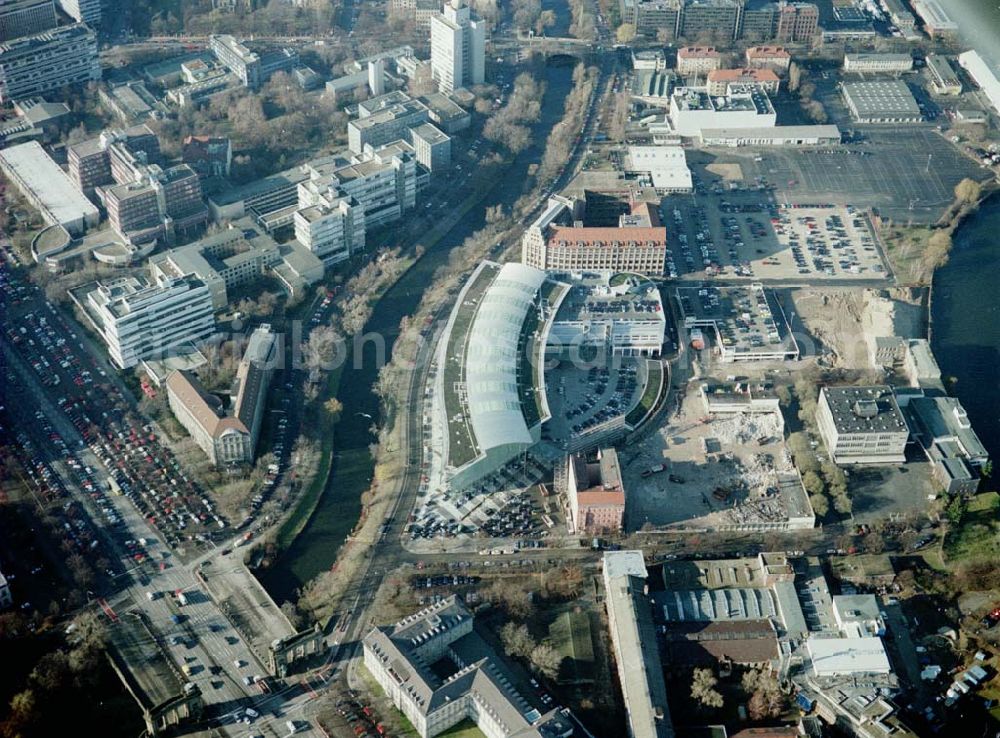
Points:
(820, 505)
(546, 661)
(517, 640)
(703, 689)
(842, 504)
(813, 483)
(625, 33)
(333, 408)
(814, 109)
(794, 77)
(955, 510)
(546, 19)
(51, 672)
(968, 191)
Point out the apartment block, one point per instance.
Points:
(458, 48)
(768, 57)
(139, 319)
(25, 17)
(47, 61)
(862, 425)
(228, 437)
(697, 60)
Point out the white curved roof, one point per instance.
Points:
(492, 357)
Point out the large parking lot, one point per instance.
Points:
(741, 231)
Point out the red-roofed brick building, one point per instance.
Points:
(769, 57)
(697, 60)
(595, 492)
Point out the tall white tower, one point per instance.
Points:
(458, 48)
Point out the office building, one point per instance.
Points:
(759, 22)
(83, 11)
(693, 108)
(885, 101)
(138, 319)
(209, 156)
(650, 17)
(223, 261)
(259, 198)
(719, 81)
(25, 17)
(635, 643)
(383, 182)
(46, 187)
(595, 493)
(982, 75)
(228, 437)
(714, 19)
(944, 80)
(768, 57)
(557, 242)
(458, 48)
(48, 61)
(797, 22)
(469, 682)
(156, 205)
(942, 428)
(237, 58)
(445, 113)
(333, 228)
(936, 21)
(878, 63)
(862, 425)
(383, 119)
(697, 60)
(117, 155)
(432, 147)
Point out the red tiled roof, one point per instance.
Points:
(694, 52)
(733, 75)
(766, 51)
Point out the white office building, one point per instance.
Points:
(862, 425)
(693, 109)
(458, 48)
(333, 228)
(140, 320)
(51, 60)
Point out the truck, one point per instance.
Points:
(656, 469)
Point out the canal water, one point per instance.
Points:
(560, 29)
(966, 321)
(316, 547)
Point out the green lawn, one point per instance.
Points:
(465, 729)
(654, 379)
(978, 534)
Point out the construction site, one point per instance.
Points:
(727, 470)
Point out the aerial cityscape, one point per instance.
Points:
(479, 369)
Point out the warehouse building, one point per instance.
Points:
(943, 429)
(901, 16)
(634, 639)
(862, 425)
(944, 81)
(937, 22)
(664, 168)
(887, 101)
(46, 187)
(818, 135)
(982, 75)
(878, 63)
